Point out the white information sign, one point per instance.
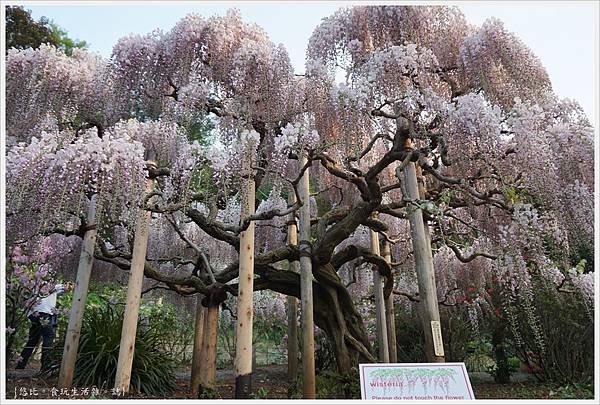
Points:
(438, 344)
(415, 382)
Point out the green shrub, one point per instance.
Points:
(479, 357)
(479, 362)
(409, 337)
(324, 354)
(573, 391)
(457, 332)
(261, 393)
(153, 370)
(329, 385)
(176, 326)
(332, 385)
(567, 357)
(514, 364)
(209, 393)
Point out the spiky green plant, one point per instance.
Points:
(153, 371)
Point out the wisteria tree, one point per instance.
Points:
(504, 168)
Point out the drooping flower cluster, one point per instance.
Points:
(295, 136)
(501, 64)
(61, 173)
(46, 81)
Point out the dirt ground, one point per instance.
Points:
(268, 382)
(29, 384)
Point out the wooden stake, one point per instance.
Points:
(209, 347)
(134, 293)
(292, 302)
(382, 335)
(243, 343)
(424, 267)
(390, 315)
(197, 355)
(306, 277)
(84, 271)
(204, 351)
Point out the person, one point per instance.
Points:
(43, 326)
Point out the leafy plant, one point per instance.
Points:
(324, 355)
(573, 391)
(329, 385)
(153, 370)
(568, 355)
(510, 367)
(209, 393)
(176, 334)
(262, 393)
(332, 385)
(409, 338)
(479, 356)
(513, 364)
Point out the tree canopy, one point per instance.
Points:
(22, 32)
(506, 166)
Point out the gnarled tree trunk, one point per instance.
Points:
(334, 312)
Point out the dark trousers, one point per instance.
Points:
(42, 327)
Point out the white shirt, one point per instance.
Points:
(47, 304)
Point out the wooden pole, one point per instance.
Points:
(134, 293)
(84, 271)
(208, 369)
(292, 302)
(390, 315)
(197, 355)
(204, 351)
(430, 314)
(243, 343)
(382, 335)
(308, 332)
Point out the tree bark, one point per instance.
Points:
(197, 355)
(390, 314)
(502, 374)
(134, 293)
(424, 267)
(84, 271)
(292, 302)
(243, 346)
(306, 276)
(334, 312)
(382, 336)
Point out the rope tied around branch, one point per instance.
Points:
(305, 248)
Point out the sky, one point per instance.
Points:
(564, 35)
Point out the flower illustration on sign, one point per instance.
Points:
(429, 378)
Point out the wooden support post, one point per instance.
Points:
(382, 335)
(306, 278)
(134, 293)
(292, 302)
(243, 343)
(430, 314)
(84, 271)
(197, 354)
(208, 369)
(390, 314)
